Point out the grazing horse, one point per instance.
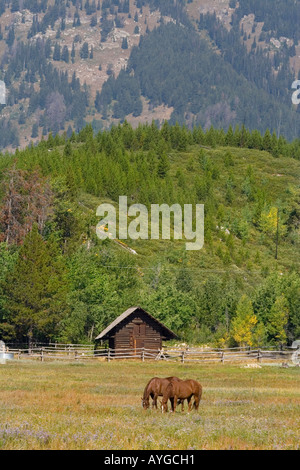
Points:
(183, 390)
(155, 388)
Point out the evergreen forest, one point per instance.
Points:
(60, 76)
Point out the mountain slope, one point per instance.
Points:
(89, 42)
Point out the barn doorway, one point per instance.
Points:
(138, 337)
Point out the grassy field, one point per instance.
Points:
(98, 406)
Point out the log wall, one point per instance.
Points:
(138, 331)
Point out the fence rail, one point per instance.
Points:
(192, 355)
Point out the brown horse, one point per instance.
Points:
(183, 390)
(155, 388)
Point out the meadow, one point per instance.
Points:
(80, 406)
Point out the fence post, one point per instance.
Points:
(259, 355)
(143, 354)
(42, 355)
(182, 357)
(75, 355)
(222, 357)
(108, 355)
(158, 356)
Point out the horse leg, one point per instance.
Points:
(153, 398)
(154, 403)
(164, 404)
(188, 403)
(181, 402)
(196, 402)
(174, 403)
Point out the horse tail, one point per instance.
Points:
(197, 395)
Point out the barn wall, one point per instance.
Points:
(138, 331)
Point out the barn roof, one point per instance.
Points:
(105, 333)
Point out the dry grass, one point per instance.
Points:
(98, 406)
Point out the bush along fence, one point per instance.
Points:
(183, 355)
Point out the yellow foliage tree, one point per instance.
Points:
(243, 324)
(272, 225)
(270, 220)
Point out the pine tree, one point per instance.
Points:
(278, 320)
(65, 54)
(68, 149)
(237, 137)
(267, 141)
(210, 137)
(274, 145)
(84, 51)
(8, 258)
(35, 130)
(256, 140)
(10, 36)
(36, 289)
(73, 53)
(93, 21)
(56, 53)
(163, 166)
(229, 139)
(124, 43)
(15, 5)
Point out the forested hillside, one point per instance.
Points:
(68, 63)
(279, 18)
(172, 65)
(60, 282)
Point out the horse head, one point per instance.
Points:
(145, 403)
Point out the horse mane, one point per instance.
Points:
(146, 391)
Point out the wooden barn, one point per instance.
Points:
(134, 329)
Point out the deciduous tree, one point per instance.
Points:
(27, 199)
(242, 326)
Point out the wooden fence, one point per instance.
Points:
(186, 355)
